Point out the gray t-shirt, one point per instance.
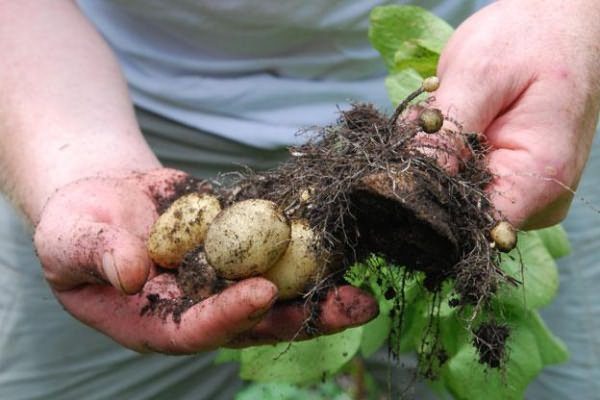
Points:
(252, 71)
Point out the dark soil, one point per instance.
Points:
(490, 342)
(181, 187)
(196, 278)
(166, 307)
(197, 281)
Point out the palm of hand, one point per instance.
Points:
(93, 232)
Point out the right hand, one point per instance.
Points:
(526, 74)
(91, 243)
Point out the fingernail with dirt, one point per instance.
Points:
(261, 312)
(110, 270)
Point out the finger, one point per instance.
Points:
(475, 89)
(543, 144)
(344, 307)
(81, 251)
(206, 325)
(447, 148)
(496, 99)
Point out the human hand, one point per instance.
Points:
(91, 243)
(526, 74)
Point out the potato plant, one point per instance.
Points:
(361, 202)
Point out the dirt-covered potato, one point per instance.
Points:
(298, 265)
(181, 228)
(246, 239)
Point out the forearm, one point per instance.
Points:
(65, 112)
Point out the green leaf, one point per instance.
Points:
(375, 333)
(556, 241)
(414, 323)
(271, 391)
(300, 362)
(400, 84)
(285, 391)
(376, 276)
(533, 265)
(227, 355)
(410, 40)
(531, 346)
(419, 58)
(453, 333)
(551, 348)
(408, 35)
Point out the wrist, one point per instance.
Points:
(60, 164)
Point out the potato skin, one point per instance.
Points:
(298, 265)
(504, 236)
(181, 228)
(246, 239)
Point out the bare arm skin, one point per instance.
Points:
(75, 163)
(527, 74)
(65, 113)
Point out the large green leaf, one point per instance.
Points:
(227, 355)
(400, 84)
(531, 346)
(533, 265)
(300, 362)
(376, 332)
(285, 391)
(408, 36)
(410, 40)
(552, 349)
(556, 241)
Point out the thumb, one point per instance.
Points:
(73, 253)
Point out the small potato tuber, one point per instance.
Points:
(298, 265)
(431, 120)
(181, 228)
(504, 236)
(431, 84)
(247, 239)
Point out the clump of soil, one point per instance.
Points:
(367, 187)
(490, 342)
(369, 184)
(196, 278)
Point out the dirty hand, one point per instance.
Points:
(527, 75)
(91, 242)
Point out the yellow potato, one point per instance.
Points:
(504, 236)
(246, 239)
(298, 265)
(181, 228)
